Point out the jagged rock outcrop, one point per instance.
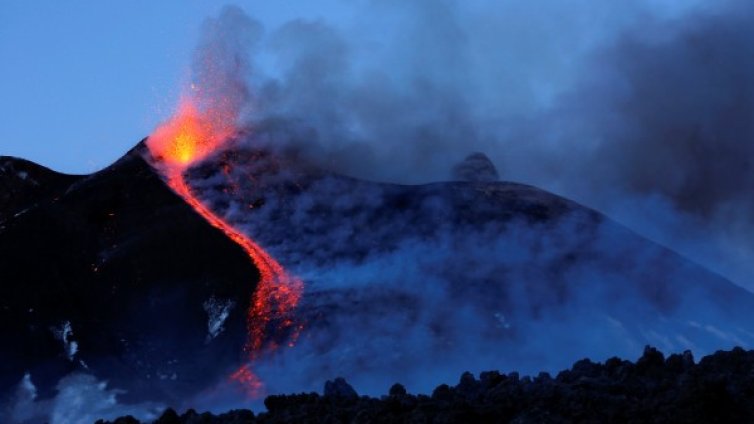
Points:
(719, 388)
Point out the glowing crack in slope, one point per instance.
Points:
(187, 138)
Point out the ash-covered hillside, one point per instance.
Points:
(112, 277)
(417, 283)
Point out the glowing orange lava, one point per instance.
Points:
(187, 138)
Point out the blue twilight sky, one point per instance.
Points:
(83, 81)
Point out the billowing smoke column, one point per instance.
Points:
(640, 110)
(204, 123)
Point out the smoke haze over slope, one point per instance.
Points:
(642, 111)
(409, 283)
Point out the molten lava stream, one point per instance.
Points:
(186, 139)
(275, 286)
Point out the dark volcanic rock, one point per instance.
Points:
(718, 389)
(23, 184)
(114, 257)
(339, 388)
(397, 389)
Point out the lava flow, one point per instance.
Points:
(187, 138)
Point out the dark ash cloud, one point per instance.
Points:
(642, 111)
(666, 117)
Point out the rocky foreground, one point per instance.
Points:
(719, 388)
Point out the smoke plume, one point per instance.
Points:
(640, 110)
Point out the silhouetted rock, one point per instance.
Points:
(468, 387)
(169, 417)
(126, 420)
(24, 184)
(720, 388)
(651, 361)
(339, 388)
(397, 389)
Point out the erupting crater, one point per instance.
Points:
(188, 138)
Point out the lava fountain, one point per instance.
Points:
(186, 139)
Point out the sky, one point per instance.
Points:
(84, 81)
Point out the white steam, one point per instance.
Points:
(80, 399)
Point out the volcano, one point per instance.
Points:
(114, 274)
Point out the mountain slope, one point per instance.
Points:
(23, 183)
(419, 283)
(113, 274)
(129, 266)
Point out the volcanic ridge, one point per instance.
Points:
(117, 276)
